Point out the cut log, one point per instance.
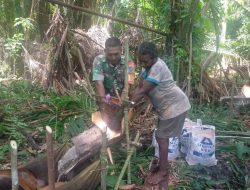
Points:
(86, 146)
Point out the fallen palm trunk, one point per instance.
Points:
(27, 180)
(89, 178)
(32, 176)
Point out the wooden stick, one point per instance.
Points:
(83, 85)
(89, 86)
(50, 158)
(118, 96)
(127, 162)
(14, 171)
(135, 144)
(110, 155)
(103, 158)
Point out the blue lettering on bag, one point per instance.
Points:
(199, 154)
(185, 133)
(170, 150)
(206, 141)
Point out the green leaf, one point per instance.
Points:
(215, 182)
(242, 149)
(111, 181)
(236, 169)
(226, 148)
(197, 185)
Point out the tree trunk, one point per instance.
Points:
(43, 18)
(9, 17)
(87, 20)
(82, 19)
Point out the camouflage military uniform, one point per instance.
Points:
(112, 76)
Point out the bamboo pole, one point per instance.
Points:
(231, 137)
(201, 85)
(103, 157)
(125, 98)
(127, 162)
(14, 171)
(190, 65)
(50, 158)
(178, 72)
(106, 16)
(240, 133)
(231, 102)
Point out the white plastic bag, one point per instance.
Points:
(173, 148)
(202, 146)
(186, 135)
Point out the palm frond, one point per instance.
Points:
(216, 15)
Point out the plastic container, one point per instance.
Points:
(131, 72)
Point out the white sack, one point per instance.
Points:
(202, 146)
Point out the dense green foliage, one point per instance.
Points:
(238, 19)
(27, 108)
(201, 18)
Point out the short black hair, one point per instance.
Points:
(113, 42)
(148, 48)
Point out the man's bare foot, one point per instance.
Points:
(155, 178)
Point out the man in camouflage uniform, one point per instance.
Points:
(108, 74)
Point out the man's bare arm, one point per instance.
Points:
(142, 90)
(101, 93)
(100, 88)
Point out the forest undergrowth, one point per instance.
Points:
(25, 110)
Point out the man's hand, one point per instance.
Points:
(107, 99)
(142, 90)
